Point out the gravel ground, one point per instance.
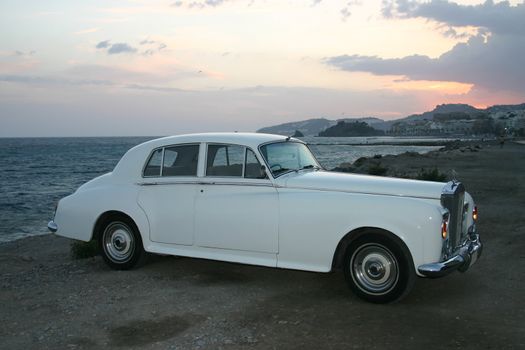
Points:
(50, 301)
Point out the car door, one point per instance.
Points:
(167, 194)
(236, 205)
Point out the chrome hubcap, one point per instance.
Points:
(119, 243)
(374, 269)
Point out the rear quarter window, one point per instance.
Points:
(153, 166)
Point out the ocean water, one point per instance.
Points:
(332, 151)
(36, 172)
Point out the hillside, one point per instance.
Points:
(441, 109)
(312, 127)
(444, 119)
(354, 128)
(307, 127)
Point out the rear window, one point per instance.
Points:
(173, 161)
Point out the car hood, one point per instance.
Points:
(333, 181)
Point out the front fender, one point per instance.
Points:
(312, 223)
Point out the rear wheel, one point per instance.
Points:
(120, 244)
(378, 269)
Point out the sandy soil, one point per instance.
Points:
(50, 301)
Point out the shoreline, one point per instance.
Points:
(408, 164)
(439, 144)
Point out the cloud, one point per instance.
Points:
(103, 44)
(153, 47)
(499, 18)
(121, 48)
(163, 72)
(491, 59)
(147, 42)
(492, 64)
(199, 4)
(117, 48)
(453, 32)
(18, 61)
(44, 80)
(153, 88)
(345, 11)
(19, 53)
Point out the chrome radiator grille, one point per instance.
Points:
(452, 198)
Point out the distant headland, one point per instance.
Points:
(444, 120)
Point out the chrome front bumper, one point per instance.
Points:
(465, 257)
(52, 226)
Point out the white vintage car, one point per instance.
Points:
(265, 200)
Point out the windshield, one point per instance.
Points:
(283, 157)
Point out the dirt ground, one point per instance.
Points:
(50, 301)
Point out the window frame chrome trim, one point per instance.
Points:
(208, 183)
(162, 161)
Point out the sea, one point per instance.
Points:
(36, 172)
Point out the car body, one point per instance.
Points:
(264, 200)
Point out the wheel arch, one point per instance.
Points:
(339, 254)
(105, 218)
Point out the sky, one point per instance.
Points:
(137, 67)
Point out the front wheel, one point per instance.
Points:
(121, 245)
(378, 269)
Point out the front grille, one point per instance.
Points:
(452, 198)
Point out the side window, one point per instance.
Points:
(175, 161)
(153, 167)
(225, 160)
(180, 160)
(252, 169)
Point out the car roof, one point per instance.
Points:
(250, 139)
(133, 161)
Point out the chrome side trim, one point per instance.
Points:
(201, 183)
(269, 184)
(239, 184)
(353, 192)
